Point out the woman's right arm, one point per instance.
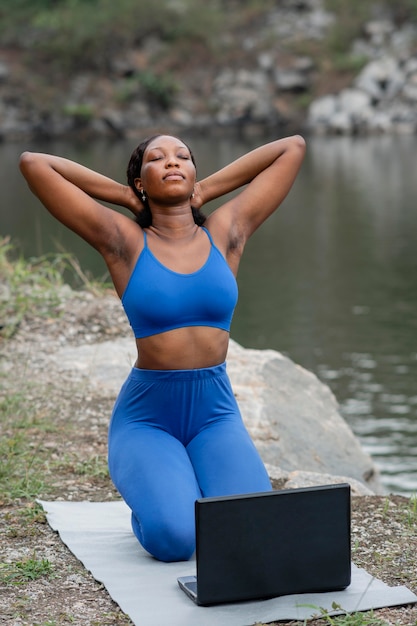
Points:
(70, 192)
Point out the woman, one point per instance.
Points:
(176, 433)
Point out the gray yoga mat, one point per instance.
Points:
(100, 536)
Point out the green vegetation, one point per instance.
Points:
(356, 10)
(335, 51)
(159, 89)
(36, 284)
(20, 572)
(27, 285)
(348, 619)
(411, 511)
(80, 112)
(93, 467)
(31, 435)
(22, 471)
(142, 49)
(409, 514)
(35, 287)
(352, 14)
(92, 32)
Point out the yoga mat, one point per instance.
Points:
(100, 536)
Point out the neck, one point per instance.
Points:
(177, 224)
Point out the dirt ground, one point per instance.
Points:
(56, 433)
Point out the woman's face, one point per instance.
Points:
(168, 172)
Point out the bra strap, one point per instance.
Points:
(145, 239)
(208, 235)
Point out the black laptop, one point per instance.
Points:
(263, 545)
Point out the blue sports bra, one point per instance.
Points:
(157, 299)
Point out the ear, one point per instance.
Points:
(138, 184)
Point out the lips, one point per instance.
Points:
(174, 176)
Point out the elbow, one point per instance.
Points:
(293, 145)
(299, 143)
(297, 149)
(31, 164)
(25, 161)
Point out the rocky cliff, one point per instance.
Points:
(277, 74)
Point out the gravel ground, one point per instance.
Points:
(57, 450)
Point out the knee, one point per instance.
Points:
(171, 544)
(168, 542)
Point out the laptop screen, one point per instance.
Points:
(274, 543)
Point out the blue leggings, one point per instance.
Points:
(176, 436)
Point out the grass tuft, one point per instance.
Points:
(347, 619)
(20, 470)
(36, 284)
(28, 284)
(26, 570)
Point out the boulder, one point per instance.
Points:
(293, 417)
(379, 32)
(355, 102)
(291, 80)
(341, 123)
(298, 479)
(381, 79)
(321, 110)
(236, 96)
(344, 113)
(383, 96)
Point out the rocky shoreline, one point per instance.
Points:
(259, 88)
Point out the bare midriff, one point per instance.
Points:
(193, 347)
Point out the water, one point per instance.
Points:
(330, 281)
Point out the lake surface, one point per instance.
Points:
(330, 281)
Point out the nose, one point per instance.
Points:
(172, 161)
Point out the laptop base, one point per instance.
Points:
(189, 585)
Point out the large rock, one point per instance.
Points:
(298, 479)
(381, 79)
(382, 97)
(345, 113)
(292, 417)
(235, 96)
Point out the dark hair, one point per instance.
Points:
(144, 218)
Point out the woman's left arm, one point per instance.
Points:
(268, 173)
